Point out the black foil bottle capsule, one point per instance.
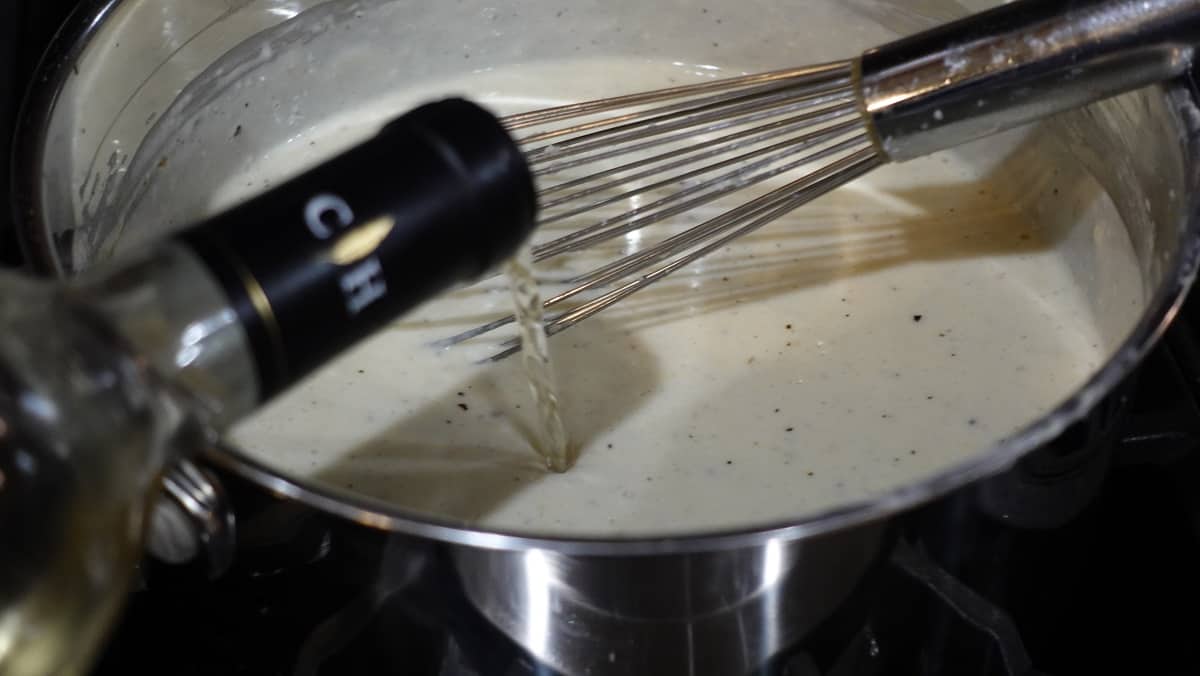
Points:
(438, 197)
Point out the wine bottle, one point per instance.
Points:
(108, 378)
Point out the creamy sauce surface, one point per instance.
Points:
(877, 335)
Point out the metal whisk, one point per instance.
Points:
(664, 154)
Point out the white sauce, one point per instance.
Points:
(885, 331)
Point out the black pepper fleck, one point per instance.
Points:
(790, 429)
(971, 421)
(463, 406)
(237, 131)
(917, 318)
(461, 394)
(728, 462)
(789, 327)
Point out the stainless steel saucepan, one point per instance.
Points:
(125, 75)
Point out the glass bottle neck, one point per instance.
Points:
(174, 314)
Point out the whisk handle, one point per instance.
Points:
(1017, 63)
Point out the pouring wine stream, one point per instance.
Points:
(552, 442)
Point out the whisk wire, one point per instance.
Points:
(718, 146)
(701, 232)
(837, 174)
(721, 113)
(722, 184)
(798, 76)
(767, 156)
(674, 151)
